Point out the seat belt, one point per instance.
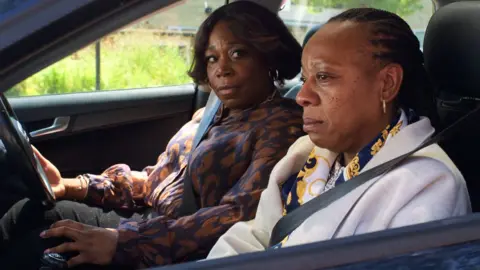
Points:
(288, 223)
(211, 108)
(189, 201)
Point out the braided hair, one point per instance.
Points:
(395, 42)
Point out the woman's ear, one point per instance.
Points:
(392, 81)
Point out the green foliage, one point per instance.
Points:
(400, 7)
(125, 63)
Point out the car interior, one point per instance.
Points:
(108, 127)
(452, 68)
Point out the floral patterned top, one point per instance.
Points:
(229, 169)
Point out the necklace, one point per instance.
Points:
(267, 100)
(271, 97)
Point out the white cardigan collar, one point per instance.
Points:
(405, 141)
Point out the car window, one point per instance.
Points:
(301, 15)
(155, 51)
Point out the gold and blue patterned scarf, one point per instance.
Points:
(322, 173)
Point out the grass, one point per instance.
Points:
(127, 61)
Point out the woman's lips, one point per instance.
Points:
(311, 125)
(226, 90)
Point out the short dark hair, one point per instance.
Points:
(259, 28)
(398, 44)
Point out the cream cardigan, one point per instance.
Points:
(426, 187)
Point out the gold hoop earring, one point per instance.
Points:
(384, 105)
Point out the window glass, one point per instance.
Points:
(155, 51)
(301, 15)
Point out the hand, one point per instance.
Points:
(54, 177)
(94, 245)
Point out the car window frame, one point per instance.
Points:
(35, 16)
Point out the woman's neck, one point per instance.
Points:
(367, 136)
(269, 96)
(347, 157)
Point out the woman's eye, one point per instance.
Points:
(237, 53)
(322, 77)
(210, 59)
(303, 79)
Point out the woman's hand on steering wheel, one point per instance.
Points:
(53, 174)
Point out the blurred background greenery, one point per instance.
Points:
(124, 64)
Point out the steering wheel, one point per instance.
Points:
(18, 148)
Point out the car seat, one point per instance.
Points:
(452, 60)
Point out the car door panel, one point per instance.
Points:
(107, 127)
(443, 244)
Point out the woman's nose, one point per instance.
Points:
(224, 67)
(306, 97)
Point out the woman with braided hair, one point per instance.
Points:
(366, 100)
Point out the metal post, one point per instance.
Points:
(97, 66)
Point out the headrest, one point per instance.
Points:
(310, 33)
(452, 50)
(273, 6)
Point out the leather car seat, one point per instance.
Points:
(452, 59)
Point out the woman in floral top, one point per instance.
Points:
(241, 51)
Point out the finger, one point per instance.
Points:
(68, 223)
(73, 234)
(65, 247)
(43, 161)
(77, 260)
(35, 150)
(58, 190)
